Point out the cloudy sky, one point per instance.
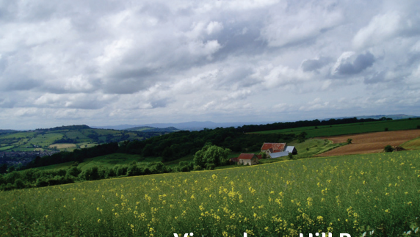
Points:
(114, 62)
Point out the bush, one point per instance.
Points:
(349, 140)
(41, 182)
(19, 184)
(388, 148)
(210, 166)
(290, 155)
(122, 170)
(110, 173)
(386, 129)
(74, 171)
(134, 170)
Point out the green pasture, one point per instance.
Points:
(412, 144)
(352, 128)
(44, 139)
(17, 135)
(358, 194)
(5, 148)
(77, 135)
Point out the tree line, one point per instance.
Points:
(39, 178)
(305, 123)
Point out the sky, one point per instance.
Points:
(114, 62)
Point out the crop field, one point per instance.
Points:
(359, 194)
(371, 142)
(352, 128)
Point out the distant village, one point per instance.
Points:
(270, 150)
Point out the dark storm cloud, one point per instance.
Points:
(361, 62)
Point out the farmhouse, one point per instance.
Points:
(275, 150)
(247, 159)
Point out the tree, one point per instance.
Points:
(211, 154)
(263, 155)
(302, 137)
(388, 148)
(148, 150)
(3, 168)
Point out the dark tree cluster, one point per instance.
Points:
(179, 144)
(65, 140)
(304, 123)
(38, 178)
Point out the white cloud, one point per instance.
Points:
(294, 26)
(214, 27)
(161, 60)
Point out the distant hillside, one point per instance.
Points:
(152, 129)
(192, 126)
(4, 131)
(67, 138)
(392, 116)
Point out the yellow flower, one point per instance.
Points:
(99, 220)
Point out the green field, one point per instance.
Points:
(352, 128)
(412, 144)
(351, 194)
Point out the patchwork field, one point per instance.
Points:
(358, 194)
(370, 142)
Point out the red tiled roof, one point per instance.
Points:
(234, 159)
(259, 156)
(275, 147)
(246, 156)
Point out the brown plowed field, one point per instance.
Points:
(370, 142)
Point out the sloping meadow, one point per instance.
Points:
(361, 194)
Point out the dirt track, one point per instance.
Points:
(370, 142)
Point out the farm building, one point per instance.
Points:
(247, 159)
(275, 150)
(234, 160)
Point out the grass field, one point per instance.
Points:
(354, 128)
(412, 145)
(353, 194)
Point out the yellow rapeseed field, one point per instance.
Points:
(361, 194)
